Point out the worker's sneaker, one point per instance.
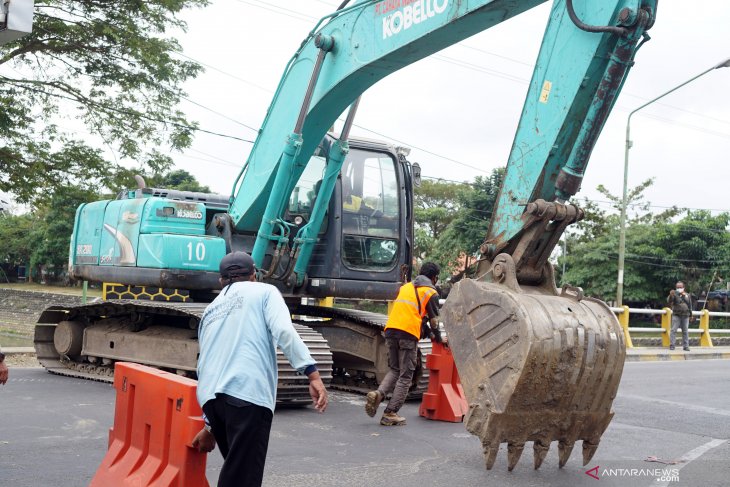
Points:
(392, 419)
(374, 398)
(686, 349)
(671, 347)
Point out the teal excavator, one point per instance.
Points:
(327, 215)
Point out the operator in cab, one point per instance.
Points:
(417, 302)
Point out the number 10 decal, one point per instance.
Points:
(199, 251)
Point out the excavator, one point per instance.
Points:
(326, 215)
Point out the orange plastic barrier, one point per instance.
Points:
(444, 400)
(156, 418)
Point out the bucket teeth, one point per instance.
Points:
(490, 453)
(514, 452)
(540, 448)
(589, 449)
(564, 450)
(537, 367)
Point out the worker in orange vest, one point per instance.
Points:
(416, 300)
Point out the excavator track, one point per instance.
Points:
(85, 341)
(358, 348)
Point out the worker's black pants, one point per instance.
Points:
(241, 431)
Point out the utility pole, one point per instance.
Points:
(624, 202)
(565, 251)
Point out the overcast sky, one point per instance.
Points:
(464, 102)
(460, 107)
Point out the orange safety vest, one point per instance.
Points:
(405, 314)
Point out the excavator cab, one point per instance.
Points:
(363, 247)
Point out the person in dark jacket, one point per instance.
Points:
(681, 303)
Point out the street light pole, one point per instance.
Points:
(622, 233)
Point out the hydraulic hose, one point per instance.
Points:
(592, 28)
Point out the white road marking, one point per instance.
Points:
(693, 455)
(694, 407)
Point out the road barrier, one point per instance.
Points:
(155, 420)
(444, 400)
(623, 313)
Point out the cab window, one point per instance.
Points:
(370, 211)
(305, 192)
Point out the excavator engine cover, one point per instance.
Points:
(536, 365)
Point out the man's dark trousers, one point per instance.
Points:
(241, 431)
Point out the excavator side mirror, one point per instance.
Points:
(416, 173)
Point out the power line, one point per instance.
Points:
(637, 260)
(380, 134)
(674, 107)
(501, 74)
(687, 125)
(356, 125)
(180, 53)
(413, 146)
(219, 114)
(170, 91)
(633, 205)
(19, 83)
(439, 57)
(480, 69)
(209, 160)
(298, 15)
(496, 55)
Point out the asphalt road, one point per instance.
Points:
(53, 431)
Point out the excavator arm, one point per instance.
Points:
(579, 73)
(577, 77)
(537, 363)
(353, 49)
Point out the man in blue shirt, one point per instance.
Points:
(237, 372)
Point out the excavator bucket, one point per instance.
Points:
(536, 365)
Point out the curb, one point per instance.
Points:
(18, 350)
(667, 356)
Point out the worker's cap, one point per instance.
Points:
(237, 264)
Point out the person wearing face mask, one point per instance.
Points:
(681, 304)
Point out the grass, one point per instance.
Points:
(9, 338)
(47, 288)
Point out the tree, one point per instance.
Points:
(54, 225)
(468, 229)
(14, 238)
(436, 204)
(178, 179)
(108, 65)
(659, 250)
(694, 249)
